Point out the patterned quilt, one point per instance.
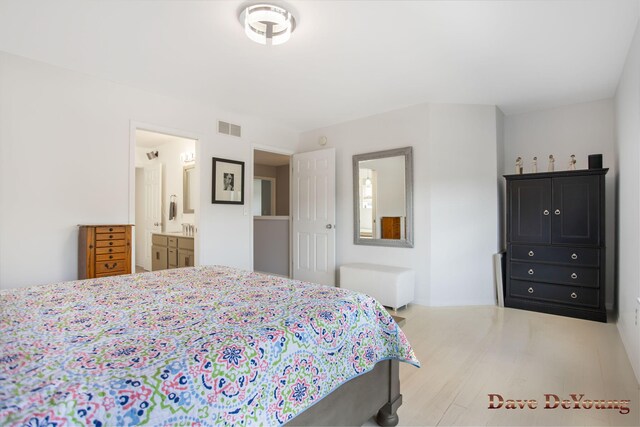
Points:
(193, 346)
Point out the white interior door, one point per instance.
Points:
(313, 216)
(153, 208)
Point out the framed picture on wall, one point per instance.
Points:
(228, 182)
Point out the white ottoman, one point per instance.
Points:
(392, 286)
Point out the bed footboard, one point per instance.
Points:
(354, 402)
(388, 414)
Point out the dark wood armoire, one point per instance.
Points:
(556, 243)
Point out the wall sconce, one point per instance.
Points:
(188, 157)
(152, 155)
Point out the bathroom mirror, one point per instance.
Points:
(188, 189)
(383, 198)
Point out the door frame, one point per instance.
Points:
(136, 125)
(285, 152)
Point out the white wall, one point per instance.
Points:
(464, 203)
(65, 141)
(579, 129)
(502, 186)
(455, 197)
(627, 125)
(271, 245)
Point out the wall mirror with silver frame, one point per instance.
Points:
(188, 189)
(383, 198)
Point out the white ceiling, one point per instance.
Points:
(269, 159)
(148, 139)
(346, 59)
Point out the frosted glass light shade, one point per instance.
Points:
(267, 24)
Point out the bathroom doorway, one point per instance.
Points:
(166, 200)
(270, 204)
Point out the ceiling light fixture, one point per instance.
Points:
(267, 24)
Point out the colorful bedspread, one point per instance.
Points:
(193, 346)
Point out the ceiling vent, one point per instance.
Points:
(229, 129)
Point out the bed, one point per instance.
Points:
(197, 346)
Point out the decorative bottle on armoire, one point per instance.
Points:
(556, 243)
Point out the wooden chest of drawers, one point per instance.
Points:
(104, 250)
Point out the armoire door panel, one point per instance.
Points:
(576, 210)
(530, 205)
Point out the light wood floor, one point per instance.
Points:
(469, 352)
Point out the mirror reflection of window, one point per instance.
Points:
(382, 198)
(367, 207)
(264, 197)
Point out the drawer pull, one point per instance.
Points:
(531, 253)
(106, 265)
(574, 276)
(574, 256)
(110, 243)
(111, 236)
(530, 290)
(574, 295)
(111, 229)
(530, 271)
(110, 250)
(545, 212)
(110, 256)
(557, 212)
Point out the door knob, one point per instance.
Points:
(531, 253)
(329, 226)
(557, 212)
(545, 212)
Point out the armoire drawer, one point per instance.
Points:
(108, 243)
(110, 257)
(581, 276)
(589, 257)
(573, 295)
(110, 236)
(110, 266)
(111, 229)
(111, 250)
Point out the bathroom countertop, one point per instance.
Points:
(172, 234)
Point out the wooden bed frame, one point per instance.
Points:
(354, 402)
